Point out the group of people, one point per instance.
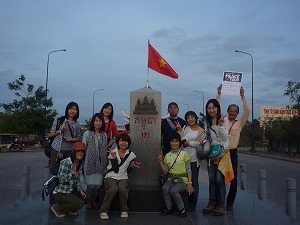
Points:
(92, 160)
(179, 160)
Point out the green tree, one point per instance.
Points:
(293, 90)
(248, 130)
(31, 113)
(284, 135)
(201, 120)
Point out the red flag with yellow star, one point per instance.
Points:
(159, 64)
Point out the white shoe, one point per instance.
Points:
(124, 214)
(104, 216)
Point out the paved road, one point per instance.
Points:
(11, 165)
(277, 171)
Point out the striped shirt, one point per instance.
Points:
(75, 126)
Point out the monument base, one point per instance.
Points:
(144, 199)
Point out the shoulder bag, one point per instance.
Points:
(216, 150)
(203, 150)
(49, 186)
(164, 177)
(48, 140)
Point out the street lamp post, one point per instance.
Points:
(61, 50)
(202, 101)
(252, 125)
(94, 99)
(186, 105)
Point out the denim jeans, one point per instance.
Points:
(193, 198)
(217, 188)
(173, 189)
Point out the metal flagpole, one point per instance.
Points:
(147, 82)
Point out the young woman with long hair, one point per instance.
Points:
(67, 134)
(95, 164)
(68, 194)
(217, 125)
(107, 111)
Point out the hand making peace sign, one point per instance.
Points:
(221, 120)
(178, 126)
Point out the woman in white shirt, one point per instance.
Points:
(191, 136)
(121, 161)
(217, 126)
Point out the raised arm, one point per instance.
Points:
(161, 162)
(246, 108)
(219, 89)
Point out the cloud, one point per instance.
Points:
(107, 48)
(284, 69)
(173, 33)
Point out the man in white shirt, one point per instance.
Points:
(235, 128)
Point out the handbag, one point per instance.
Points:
(47, 146)
(48, 140)
(216, 152)
(203, 150)
(164, 177)
(49, 186)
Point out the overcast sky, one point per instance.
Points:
(106, 43)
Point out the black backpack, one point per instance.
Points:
(48, 140)
(49, 186)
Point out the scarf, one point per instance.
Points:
(96, 157)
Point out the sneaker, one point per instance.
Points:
(74, 213)
(124, 214)
(104, 216)
(229, 207)
(57, 211)
(166, 212)
(219, 210)
(209, 208)
(182, 213)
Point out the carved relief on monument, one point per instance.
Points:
(145, 107)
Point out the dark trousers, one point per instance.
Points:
(71, 202)
(233, 184)
(193, 198)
